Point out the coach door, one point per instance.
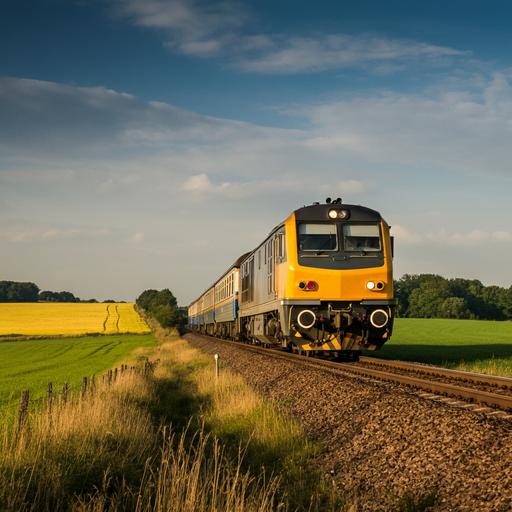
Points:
(246, 278)
(269, 253)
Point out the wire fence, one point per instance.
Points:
(89, 386)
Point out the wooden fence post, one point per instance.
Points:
(65, 392)
(49, 401)
(92, 386)
(84, 387)
(22, 411)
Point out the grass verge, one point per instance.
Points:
(32, 364)
(178, 440)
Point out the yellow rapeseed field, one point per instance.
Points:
(50, 318)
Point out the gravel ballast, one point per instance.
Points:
(383, 441)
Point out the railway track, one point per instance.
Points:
(451, 386)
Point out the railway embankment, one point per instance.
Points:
(384, 445)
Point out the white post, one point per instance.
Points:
(217, 364)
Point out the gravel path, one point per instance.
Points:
(381, 439)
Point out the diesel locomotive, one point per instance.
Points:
(321, 281)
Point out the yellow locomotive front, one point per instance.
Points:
(326, 283)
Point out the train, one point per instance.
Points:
(320, 282)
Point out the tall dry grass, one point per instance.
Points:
(56, 458)
(227, 450)
(106, 452)
(497, 367)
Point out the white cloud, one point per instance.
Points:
(463, 131)
(405, 236)
(200, 185)
(502, 236)
(188, 25)
(99, 232)
(458, 131)
(20, 235)
(137, 237)
(59, 233)
(220, 29)
(473, 238)
(45, 116)
(313, 54)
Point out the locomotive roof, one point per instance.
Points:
(320, 212)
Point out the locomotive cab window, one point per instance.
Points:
(318, 237)
(363, 238)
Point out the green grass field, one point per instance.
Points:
(467, 345)
(32, 364)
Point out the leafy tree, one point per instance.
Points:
(145, 298)
(419, 299)
(506, 303)
(454, 307)
(426, 300)
(164, 298)
(49, 296)
(168, 316)
(403, 288)
(161, 305)
(12, 291)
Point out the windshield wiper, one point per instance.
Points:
(321, 250)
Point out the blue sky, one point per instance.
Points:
(146, 144)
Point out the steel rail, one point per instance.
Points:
(484, 398)
(473, 378)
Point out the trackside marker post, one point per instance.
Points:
(217, 364)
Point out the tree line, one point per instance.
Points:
(433, 296)
(13, 291)
(163, 307)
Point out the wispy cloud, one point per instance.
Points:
(460, 130)
(474, 238)
(284, 55)
(44, 116)
(200, 185)
(405, 236)
(21, 235)
(137, 237)
(220, 29)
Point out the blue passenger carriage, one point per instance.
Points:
(216, 311)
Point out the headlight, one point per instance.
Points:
(370, 285)
(306, 319)
(379, 318)
(339, 214)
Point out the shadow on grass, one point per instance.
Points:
(441, 354)
(178, 402)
